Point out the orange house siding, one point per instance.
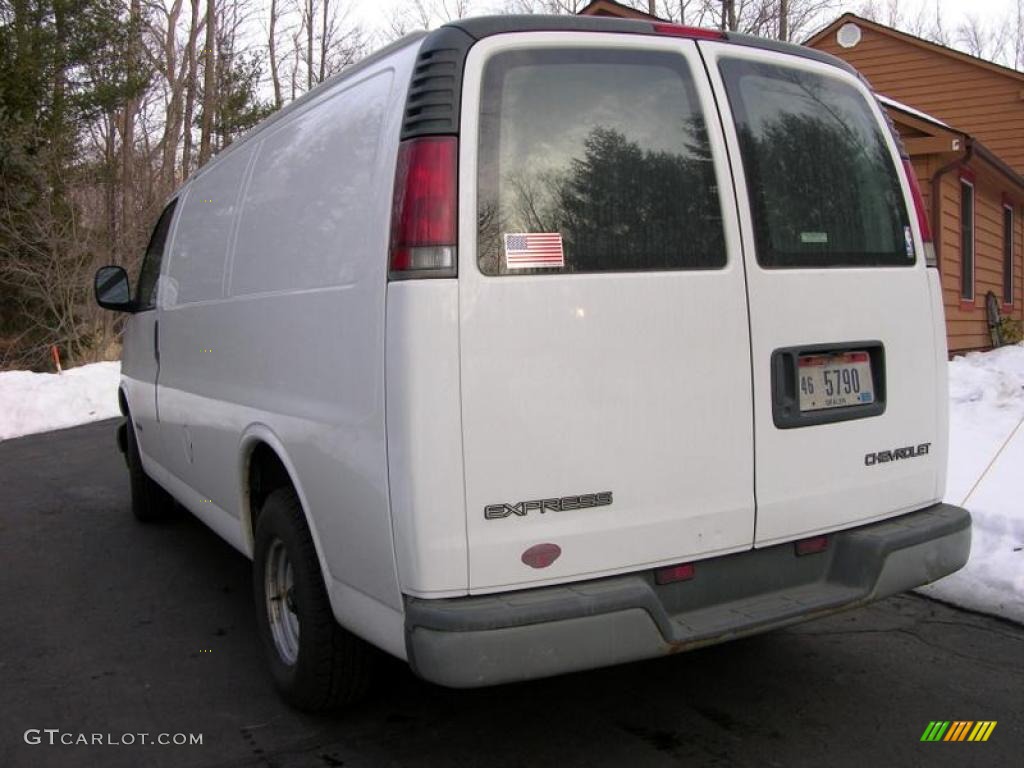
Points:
(984, 101)
(966, 322)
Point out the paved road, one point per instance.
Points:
(106, 625)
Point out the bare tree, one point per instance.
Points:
(329, 42)
(729, 20)
(983, 40)
(275, 78)
(308, 16)
(191, 86)
(209, 84)
(163, 54)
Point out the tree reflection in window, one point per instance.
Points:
(620, 205)
(821, 181)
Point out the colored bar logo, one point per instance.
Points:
(958, 730)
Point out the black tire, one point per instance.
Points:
(333, 667)
(150, 502)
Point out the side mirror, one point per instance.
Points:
(112, 289)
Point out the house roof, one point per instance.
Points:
(939, 137)
(916, 41)
(612, 8)
(890, 102)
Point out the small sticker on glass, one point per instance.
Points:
(814, 237)
(908, 238)
(534, 250)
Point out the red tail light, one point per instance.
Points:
(915, 192)
(693, 32)
(425, 208)
(922, 217)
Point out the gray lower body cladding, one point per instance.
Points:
(532, 633)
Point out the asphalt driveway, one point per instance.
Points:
(115, 628)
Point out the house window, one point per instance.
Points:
(1007, 254)
(966, 240)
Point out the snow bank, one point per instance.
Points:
(986, 405)
(38, 402)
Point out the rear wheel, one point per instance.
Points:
(315, 663)
(149, 501)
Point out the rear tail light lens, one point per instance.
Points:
(922, 216)
(680, 30)
(425, 208)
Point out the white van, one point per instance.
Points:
(536, 344)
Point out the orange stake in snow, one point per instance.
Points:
(56, 358)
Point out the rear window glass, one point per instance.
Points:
(606, 149)
(823, 186)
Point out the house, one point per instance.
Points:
(961, 119)
(611, 8)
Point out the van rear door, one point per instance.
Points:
(605, 359)
(846, 392)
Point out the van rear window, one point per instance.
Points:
(593, 161)
(822, 183)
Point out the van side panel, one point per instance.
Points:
(194, 381)
(296, 344)
(425, 437)
(309, 271)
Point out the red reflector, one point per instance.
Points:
(682, 31)
(673, 573)
(541, 555)
(915, 194)
(424, 209)
(812, 545)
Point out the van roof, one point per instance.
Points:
(435, 91)
(433, 110)
(484, 26)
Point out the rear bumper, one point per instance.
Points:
(477, 641)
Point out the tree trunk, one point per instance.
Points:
(323, 44)
(729, 15)
(190, 93)
(209, 83)
(309, 43)
(58, 139)
(272, 45)
(652, 7)
(131, 109)
(784, 20)
(172, 115)
(111, 191)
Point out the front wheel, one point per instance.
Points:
(149, 501)
(315, 663)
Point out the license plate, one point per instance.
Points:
(835, 381)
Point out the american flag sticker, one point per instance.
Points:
(534, 250)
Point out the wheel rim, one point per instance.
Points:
(279, 590)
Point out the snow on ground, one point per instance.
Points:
(38, 402)
(986, 394)
(986, 406)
